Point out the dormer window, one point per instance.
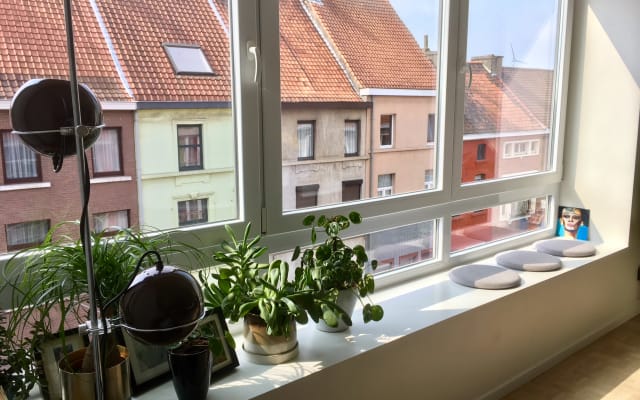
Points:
(187, 59)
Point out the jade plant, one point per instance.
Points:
(332, 266)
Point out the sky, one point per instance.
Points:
(522, 31)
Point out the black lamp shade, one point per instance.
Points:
(162, 307)
(41, 107)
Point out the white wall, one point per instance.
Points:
(486, 352)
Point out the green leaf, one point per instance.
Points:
(296, 253)
(308, 220)
(355, 217)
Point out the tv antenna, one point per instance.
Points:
(514, 60)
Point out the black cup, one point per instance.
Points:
(191, 371)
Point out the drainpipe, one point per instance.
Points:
(371, 150)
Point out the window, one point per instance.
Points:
(386, 130)
(307, 196)
(351, 138)
(190, 147)
(428, 179)
(431, 128)
(21, 164)
(110, 221)
(26, 234)
(385, 185)
(351, 190)
(306, 132)
(192, 212)
(363, 127)
(107, 153)
(508, 90)
(188, 59)
(481, 151)
(521, 148)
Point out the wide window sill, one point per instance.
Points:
(409, 307)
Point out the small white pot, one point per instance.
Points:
(347, 301)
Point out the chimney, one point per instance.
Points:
(431, 55)
(492, 63)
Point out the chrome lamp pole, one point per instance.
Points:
(93, 329)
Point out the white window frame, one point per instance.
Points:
(257, 111)
(384, 191)
(392, 133)
(529, 148)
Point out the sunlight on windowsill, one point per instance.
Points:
(408, 307)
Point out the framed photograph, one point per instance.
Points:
(149, 363)
(573, 223)
(214, 325)
(49, 351)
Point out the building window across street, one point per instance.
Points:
(351, 138)
(307, 196)
(21, 164)
(26, 234)
(305, 140)
(111, 220)
(192, 212)
(385, 185)
(107, 153)
(386, 130)
(190, 147)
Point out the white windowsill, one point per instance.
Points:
(409, 307)
(110, 179)
(25, 186)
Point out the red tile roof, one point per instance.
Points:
(138, 28)
(308, 70)
(33, 45)
(534, 87)
(491, 107)
(376, 46)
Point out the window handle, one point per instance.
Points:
(254, 52)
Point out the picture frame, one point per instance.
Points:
(213, 323)
(149, 363)
(573, 222)
(48, 352)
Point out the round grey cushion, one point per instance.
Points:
(566, 248)
(485, 276)
(528, 261)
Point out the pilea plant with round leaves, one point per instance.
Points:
(332, 266)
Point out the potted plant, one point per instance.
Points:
(49, 285)
(264, 295)
(17, 367)
(338, 271)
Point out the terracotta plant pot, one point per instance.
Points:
(266, 349)
(82, 385)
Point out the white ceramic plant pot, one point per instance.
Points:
(262, 348)
(347, 301)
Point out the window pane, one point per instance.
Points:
(373, 104)
(20, 162)
(305, 140)
(392, 248)
(511, 56)
(193, 211)
(187, 59)
(25, 234)
(487, 225)
(351, 138)
(112, 220)
(106, 153)
(189, 147)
